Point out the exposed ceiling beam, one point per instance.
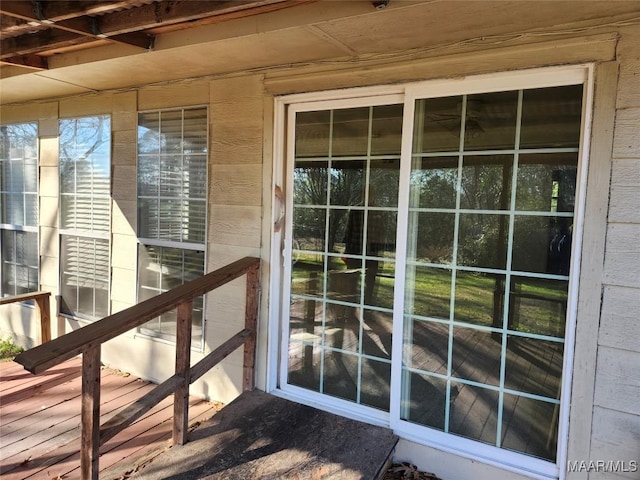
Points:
(35, 62)
(58, 10)
(170, 12)
(37, 42)
(80, 25)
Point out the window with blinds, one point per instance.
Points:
(85, 181)
(19, 208)
(172, 207)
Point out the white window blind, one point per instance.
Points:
(19, 208)
(172, 206)
(85, 206)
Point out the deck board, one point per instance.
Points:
(40, 418)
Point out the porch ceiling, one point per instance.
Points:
(53, 49)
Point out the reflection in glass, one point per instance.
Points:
(312, 134)
(460, 207)
(480, 425)
(530, 426)
(19, 262)
(479, 298)
(161, 269)
(85, 272)
(347, 179)
(304, 365)
(424, 400)
(482, 240)
(342, 328)
(428, 292)
(170, 131)
(307, 276)
(486, 182)
(310, 182)
(534, 366)
(340, 374)
(376, 334)
(433, 237)
(547, 182)
(195, 131)
(551, 117)
(305, 320)
(476, 355)
(381, 233)
(386, 130)
(376, 378)
(309, 228)
(542, 244)
(149, 132)
(350, 131)
(381, 278)
(437, 125)
(490, 122)
(427, 346)
(172, 175)
(433, 182)
(384, 177)
(538, 306)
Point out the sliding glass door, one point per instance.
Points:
(429, 260)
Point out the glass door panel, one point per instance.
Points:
(345, 195)
(490, 221)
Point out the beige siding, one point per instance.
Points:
(616, 416)
(622, 256)
(618, 380)
(619, 327)
(615, 437)
(176, 95)
(624, 206)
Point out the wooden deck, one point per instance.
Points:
(257, 436)
(40, 420)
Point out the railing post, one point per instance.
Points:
(90, 415)
(183, 368)
(42, 303)
(251, 324)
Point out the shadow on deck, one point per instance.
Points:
(260, 436)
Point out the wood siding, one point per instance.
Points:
(616, 414)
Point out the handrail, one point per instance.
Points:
(88, 340)
(58, 350)
(42, 304)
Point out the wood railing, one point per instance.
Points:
(88, 340)
(42, 305)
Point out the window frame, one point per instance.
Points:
(23, 227)
(88, 234)
(175, 244)
(281, 244)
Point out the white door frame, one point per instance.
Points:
(281, 249)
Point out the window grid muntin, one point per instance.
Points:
(512, 213)
(322, 297)
(158, 241)
(11, 161)
(86, 190)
